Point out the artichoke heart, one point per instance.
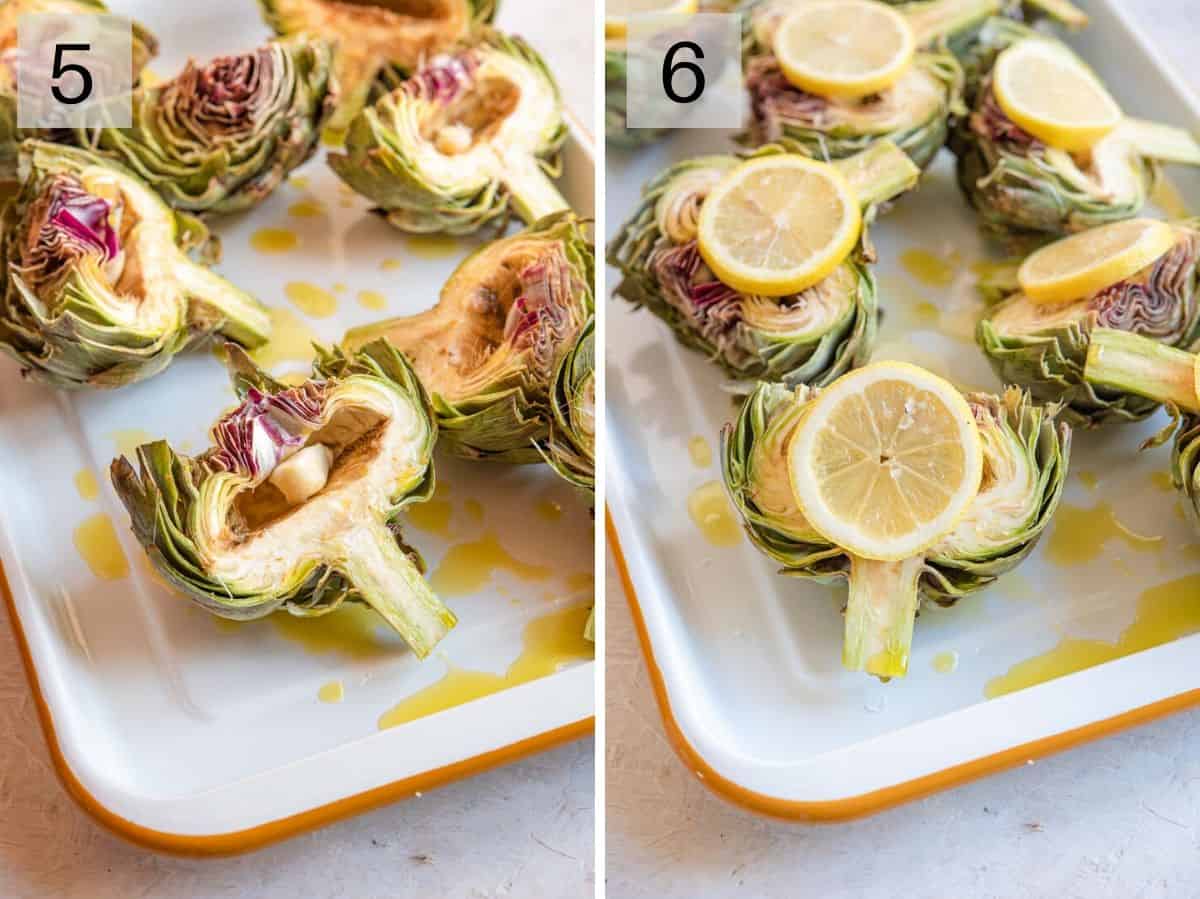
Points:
(220, 137)
(806, 338)
(144, 48)
(469, 135)
(1025, 191)
(1045, 346)
(97, 289)
(1026, 453)
(489, 351)
(373, 38)
(294, 506)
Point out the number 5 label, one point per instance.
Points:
(74, 71)
(684, 71)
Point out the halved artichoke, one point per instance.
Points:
(489, 351)
(97, 289)
(1024, 190)
(570, 447)
(144, 46)
(373, 38)
(469, 136)
(220, 137)
(914, 113)
(806, 338)
(1045, 347)
(1025, 458)
(295, 504)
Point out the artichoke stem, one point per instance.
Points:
(1062, 11)
(1165, 143)
(880, 614)
(244, 319)
(879, 173)
(1135, 364)
(390, 583)
(936, 19)
(534, 194)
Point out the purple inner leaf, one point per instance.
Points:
(261, 432)
(84, 217)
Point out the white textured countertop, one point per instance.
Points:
(1115, 819)
(523, 831)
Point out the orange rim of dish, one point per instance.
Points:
(238, 841)
(866, 803)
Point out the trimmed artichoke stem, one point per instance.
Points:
(879, 615)
(942, 18)
(1165, 143)
(533, 193)
(246, 321)
(1134, 364)
(390, 583)
(879, 173)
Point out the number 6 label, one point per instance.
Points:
(684, 71)
(74, 71)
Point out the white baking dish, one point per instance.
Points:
(746, 663)
(187, 733)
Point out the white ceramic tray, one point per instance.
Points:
(192, 734)
(747, 663)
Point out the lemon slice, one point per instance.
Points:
(617, 12)
(776, 225)
(1053, 96)
(886, 460)
(1082, 264)
(844, 48)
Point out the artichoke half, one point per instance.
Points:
(375, 39)
(294, 505)
(806, 338)
(144, 46)
(96, 288)
(1025, 458)
(1046, 347)
(220, 137)
(470, 135)
(1024, 190)
(913, 113)
(490, 351)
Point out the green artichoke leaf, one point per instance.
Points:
(489, 351)
(295, 505)
(616, 127)
(219, 138)
(806, 338)
(1050, 348)
(570, 446)
(377, 41)
(144, 47)
(1185, 464)
(96, 288)
(472, 135)
(1026, 192)
(1026, 453)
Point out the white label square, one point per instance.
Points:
(74, 71)
(685, 71)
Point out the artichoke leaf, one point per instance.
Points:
(220, 529)
(97, 288)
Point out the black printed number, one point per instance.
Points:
(62, 68)
(671, 68)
